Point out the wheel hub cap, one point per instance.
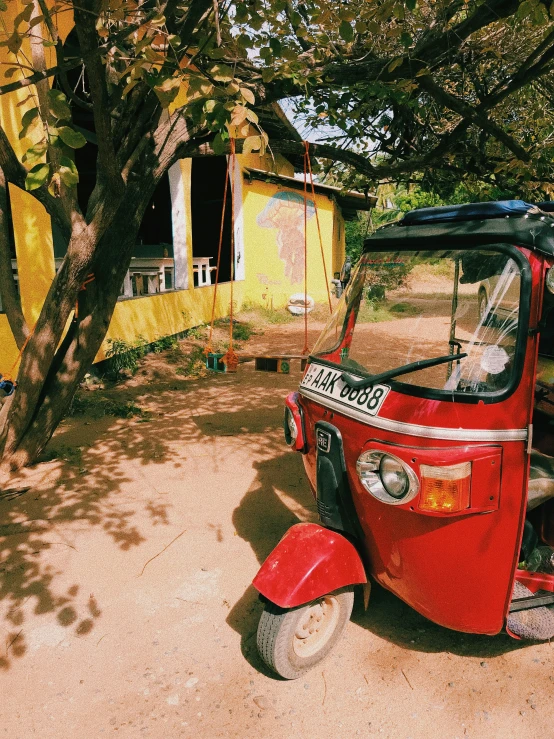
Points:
(316, 626)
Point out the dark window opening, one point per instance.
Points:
(156, 228)
(11, 238)
(207, 190)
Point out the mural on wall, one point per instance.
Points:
(285, 212)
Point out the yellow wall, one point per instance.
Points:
(265, 284)
(266, 281)
(150, 317)
(153, 316)
(267, 247)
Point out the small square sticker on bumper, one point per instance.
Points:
(323, 440)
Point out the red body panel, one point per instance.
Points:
(308, 562)
(457, 570)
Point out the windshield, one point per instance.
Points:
(404, 307)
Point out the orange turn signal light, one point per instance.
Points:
(445, 489)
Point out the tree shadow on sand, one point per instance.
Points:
(88, 484)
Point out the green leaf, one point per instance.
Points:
(37, 176)
(268, 74)
(395, 63)
(219, 146)
(406, 40)
(346, 31)
(222, 73)
(218, 52)
(525, 9)
(142, 44)
(168, 90)
(275, 45)
(57, 105)
(14, 42)
(25, 15)
(347, 15)
(127, 89)
(71, 138)
(68, 172)
(34, 153)
(28, 120)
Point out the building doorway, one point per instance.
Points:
(207, 190)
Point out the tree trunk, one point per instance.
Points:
(8, 291)
(48, 379)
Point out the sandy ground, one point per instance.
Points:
(125, 599)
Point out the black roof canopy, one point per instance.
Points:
(474, 224)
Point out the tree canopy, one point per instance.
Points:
(448, 91)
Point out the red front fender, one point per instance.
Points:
(307, 563)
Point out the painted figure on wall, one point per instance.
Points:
(285, 212)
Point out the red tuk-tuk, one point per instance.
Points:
(425, 420)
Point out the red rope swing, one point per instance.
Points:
(230, 358)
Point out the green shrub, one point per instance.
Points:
(197, 333)
(124, 356)
(195, 365)
(163, 343)
(242, 331)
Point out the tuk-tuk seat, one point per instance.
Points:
(541, 479)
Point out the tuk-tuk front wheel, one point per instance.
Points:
(293, 640)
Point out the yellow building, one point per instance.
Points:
(169, 286)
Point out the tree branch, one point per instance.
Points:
(16, 173)
(471, 114)
(107, 163)
(428, 52)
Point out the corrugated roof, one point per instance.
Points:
(350, 202)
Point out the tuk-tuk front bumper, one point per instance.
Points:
(309, 561)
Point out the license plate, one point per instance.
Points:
(326, 382)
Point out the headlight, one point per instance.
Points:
(387, 477)
(293, 424)
(393, 476)
(291, 429)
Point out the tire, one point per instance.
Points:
(293, 640)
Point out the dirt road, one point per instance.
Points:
(127, 610)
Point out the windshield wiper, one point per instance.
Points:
(389, 374)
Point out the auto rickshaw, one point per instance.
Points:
(425, 420)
